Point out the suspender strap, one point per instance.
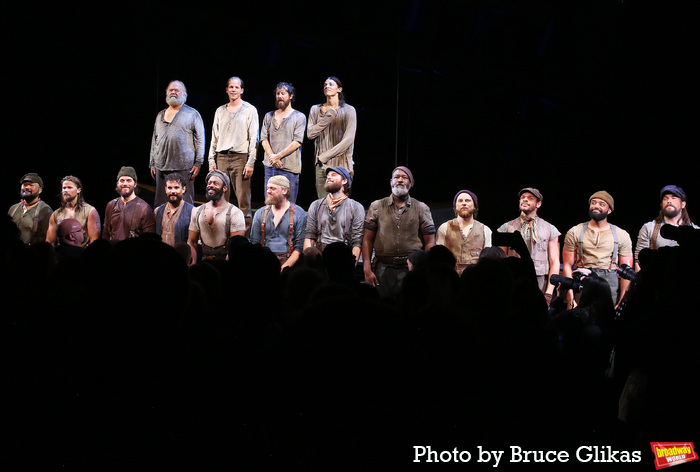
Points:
(655, 235)
(613, 259)
(290, 240)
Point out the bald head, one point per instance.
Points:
(70, 232)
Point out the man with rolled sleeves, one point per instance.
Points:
(394, 227)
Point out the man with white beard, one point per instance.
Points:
(395, 226)
(464, 236)
(127, 216)
(599, 246)
(673, 211)
(177, 145)
(215, 222)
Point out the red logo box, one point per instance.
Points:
(667, 454)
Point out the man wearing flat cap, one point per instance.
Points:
(336, 217)
(674, 211)
(541, 238)
(215, 222)
(464, 236)
(31, 214)
(395, 226)
(128, 215)
(281, 224)
(599, 246)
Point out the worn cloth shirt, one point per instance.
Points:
(235, 132)
(290, 129)
(598, 247)
(180, 144)
(645, 235)
(216, 235)
(345, 224)
(399, 230)
(32, 223)
(277, 237)
(128, 220)
(333, 134)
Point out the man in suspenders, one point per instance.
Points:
(336, 217)
(280, 225)
(673, 211)
(599, 246)
(213, 223)
(31, 214)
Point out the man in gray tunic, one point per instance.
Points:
(177, 145)
(336, 217)
(281, 136)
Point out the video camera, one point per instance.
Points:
(626, 272)
(568, 283)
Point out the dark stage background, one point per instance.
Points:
(569, 97)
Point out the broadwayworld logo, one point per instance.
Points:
(667, 454)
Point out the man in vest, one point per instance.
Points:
(336, 217)
(599, 246)
(281, 225)
(128, 215)
(215, 222)
(395, 226)
(73, 205)
(673, 211)
(541, 239)
(173, 217)
(31, 214)
(464, 236)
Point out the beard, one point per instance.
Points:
(174, 101)
(465, 212)
(598, 216)
(214, 195)
(332, 187)
(27, 195)
(125, 192)
(175, 199)
(670, 211)
(400, 191)
(274, 200)
(282, 104)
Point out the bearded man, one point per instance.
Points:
(127, 216)
(464, 236)
(31, 214)
(73, 205)
(599, 246)
(173, 217)
(281, 136)
(674, 211)
(395, 226)
(177, 144)
(281, 224)
(336, 217)
(215, 222)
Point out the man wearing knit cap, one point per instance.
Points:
(541, 238)
(215, 222)
(31, 214)
(599, 246)
(281, 224)
(127, 216)
(336, 217)
(395, 226)
(673, 212)
(464, 236)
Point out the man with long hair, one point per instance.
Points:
(73, 205)
(673, 211)
(331, 126)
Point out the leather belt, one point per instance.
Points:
(395, 261)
